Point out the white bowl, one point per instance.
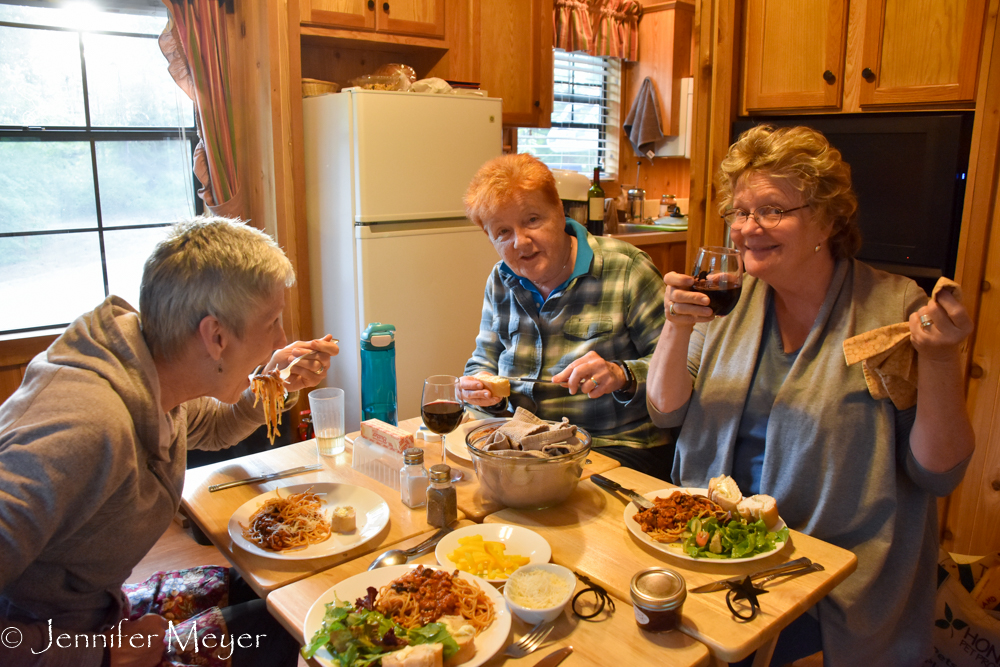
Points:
(517, 541)
(535, 616)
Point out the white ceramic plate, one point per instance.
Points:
(488, 643)
(455, 441)
(516, 540)
(372, 515)
(674, 548)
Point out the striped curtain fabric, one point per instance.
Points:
(572, 26)
(616, 28)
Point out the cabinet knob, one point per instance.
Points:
(976, 371)
(829, 77)
(371, 4)
(986, 286)
(385, 7)
(538, 103)
(867, 74)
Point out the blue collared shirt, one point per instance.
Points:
(584, 258)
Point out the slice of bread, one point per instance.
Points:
(725, 492)
(464, 635)
(420, 655)
(760, 506)
(499, 387)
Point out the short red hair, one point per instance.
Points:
(499, 181)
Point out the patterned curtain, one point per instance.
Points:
(571, 24)
(616, 28)
(195, 46)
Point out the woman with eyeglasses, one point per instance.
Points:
(765, 395)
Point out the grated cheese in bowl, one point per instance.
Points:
(539, 592)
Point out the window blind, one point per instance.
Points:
(585, 116)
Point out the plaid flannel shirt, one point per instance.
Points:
(616, 310)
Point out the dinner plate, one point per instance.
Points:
(674, 548)
(371, 511)
(488, 643)
(454, 442)
(517, 541)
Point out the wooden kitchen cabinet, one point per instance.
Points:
(860, 55)
(404, 17)
(516, 59)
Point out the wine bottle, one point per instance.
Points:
(595, 206)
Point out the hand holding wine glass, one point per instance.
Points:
(718, 274)
(442, 410)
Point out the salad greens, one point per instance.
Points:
(736, 539)
(357, 635)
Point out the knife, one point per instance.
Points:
(264, 478)
(784, 568)
(554, 658)
(532, 380)
(606, 483)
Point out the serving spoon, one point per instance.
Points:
(400, 556)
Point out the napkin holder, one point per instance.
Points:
(377, 462)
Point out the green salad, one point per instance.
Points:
(737, 539)
(357, 635)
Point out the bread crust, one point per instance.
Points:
(499, 387)
(724, 492)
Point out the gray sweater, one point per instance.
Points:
(91, 474)
(837, 461)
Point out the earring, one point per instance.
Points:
(220, 366)
(816, 249)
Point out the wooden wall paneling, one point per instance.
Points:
(462, 32)
(341, 60)
(14, 357)
(715, 82)
(665, 175)
(854, 56)
(970, 523)
(10, 380)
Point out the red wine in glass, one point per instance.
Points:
(442, 416)
(718, 274)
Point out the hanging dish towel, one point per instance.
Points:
(888, 359)
(642, 125)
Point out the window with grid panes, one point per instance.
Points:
(585, 116)
(96, 144)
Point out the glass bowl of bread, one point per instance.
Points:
(526, 462)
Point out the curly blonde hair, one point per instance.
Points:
(805, 158)
(502, 179)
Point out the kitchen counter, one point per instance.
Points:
(667, 249)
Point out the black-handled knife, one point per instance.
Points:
(554, 658)
(605, 483)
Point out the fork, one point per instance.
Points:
(529, 642)
(285, 372)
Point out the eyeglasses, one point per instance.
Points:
(766, 216)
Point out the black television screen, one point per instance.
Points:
(909, 174)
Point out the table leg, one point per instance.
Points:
(766, 650)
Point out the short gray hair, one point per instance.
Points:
(207, 266)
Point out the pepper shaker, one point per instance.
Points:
(442, 504)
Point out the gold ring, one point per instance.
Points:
(595, 382)
(319, 372)
(671, 311)
(926, 321)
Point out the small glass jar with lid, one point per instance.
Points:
(442, 503)
(657, 597)
(413, 478)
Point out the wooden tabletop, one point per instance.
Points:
(610, 638)
(470, 495)
(587, 533)
(211, 511)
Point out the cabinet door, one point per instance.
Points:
(920, 51)
(356, 14)
(411, 17)
(794, 54)
(516, 59)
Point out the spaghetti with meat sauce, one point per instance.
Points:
(424, 595)
(667, 520)
(293, 521)
(269, 389)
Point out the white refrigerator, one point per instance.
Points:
(388, 238)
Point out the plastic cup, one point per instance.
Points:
(327, 407)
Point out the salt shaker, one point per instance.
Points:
(442, 504)
(413, 478)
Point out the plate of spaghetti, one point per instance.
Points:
(664, 526)
(414, 597)
(302, 521)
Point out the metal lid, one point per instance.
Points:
(658, 588)
(413, 456)
(440, 473)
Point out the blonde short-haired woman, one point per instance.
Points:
(93, 443)
(764, 394)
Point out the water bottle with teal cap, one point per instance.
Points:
(378, 373)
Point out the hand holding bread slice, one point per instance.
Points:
(498, 386)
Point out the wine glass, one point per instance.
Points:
(718, 274)
(442, 410)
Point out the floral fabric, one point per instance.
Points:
(191, 600)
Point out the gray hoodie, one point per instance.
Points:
(91, 474)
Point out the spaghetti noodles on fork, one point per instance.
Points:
(268, 388)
